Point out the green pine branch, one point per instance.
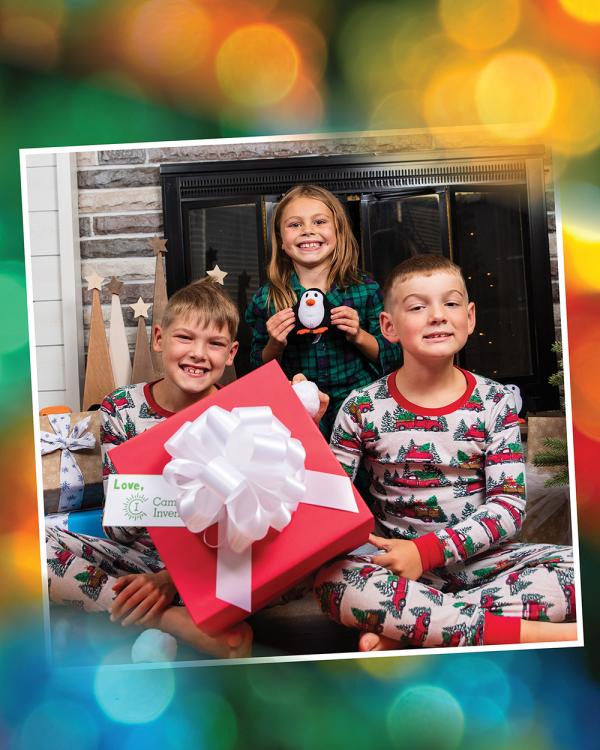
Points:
(559, 479)
(554, 453)
(557, 379)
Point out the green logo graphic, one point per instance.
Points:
(134, 507)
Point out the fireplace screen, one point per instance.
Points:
(226, 235)
(488, 215)
(489, 231)
(475, 229)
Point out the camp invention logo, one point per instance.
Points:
(133, 507)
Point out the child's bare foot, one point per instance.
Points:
(374, 642)
(533, 631)
(235, 643)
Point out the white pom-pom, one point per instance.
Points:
(308, 393)
(153, 646)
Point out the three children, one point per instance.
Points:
(440, 446)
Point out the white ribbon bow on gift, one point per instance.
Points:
(244, 471)
(241, 469)
(71, 478)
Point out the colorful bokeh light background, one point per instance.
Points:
(75, 72)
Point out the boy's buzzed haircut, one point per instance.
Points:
(424, 264)
(206, 301)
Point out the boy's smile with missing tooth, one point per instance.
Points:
(194, 356)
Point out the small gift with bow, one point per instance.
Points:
(241, 495)
(71, 462)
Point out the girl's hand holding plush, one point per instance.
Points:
(280, 325)
(401, 556)
(346, 319)
(142, 596)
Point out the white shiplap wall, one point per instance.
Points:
(56, 285)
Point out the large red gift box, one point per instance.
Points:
(280, 560)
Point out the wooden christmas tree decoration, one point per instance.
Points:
(117, 338)
(143, 371)
(160, 296)
(99, 380)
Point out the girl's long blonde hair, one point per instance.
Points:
(344, 261)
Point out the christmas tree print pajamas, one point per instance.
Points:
(452, 481)
(82, 569)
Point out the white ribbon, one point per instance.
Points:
(244, 471)
(70, 476)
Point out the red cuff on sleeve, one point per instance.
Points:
(499, 630)
(431, 551)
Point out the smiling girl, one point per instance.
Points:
(313, 248)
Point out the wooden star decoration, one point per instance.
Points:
(158, 245)
(94, 281)
(115, 286)
(217, 275)
(140, 309)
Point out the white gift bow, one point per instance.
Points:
(71, 478)
(241, 468)
(244, 471)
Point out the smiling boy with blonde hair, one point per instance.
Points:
(124, 575)
(442, 450)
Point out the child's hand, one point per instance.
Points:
(401, 556)
(323, 399)
(142, 596)
(280, 325)
(346, 319)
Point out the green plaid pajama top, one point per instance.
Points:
(335, 364)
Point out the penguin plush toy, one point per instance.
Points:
(313, 314)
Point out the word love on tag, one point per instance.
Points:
(121, 485)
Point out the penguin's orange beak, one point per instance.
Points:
(310, 302)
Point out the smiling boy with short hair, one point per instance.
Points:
(443, 453)
(124, 575)
(197, 341)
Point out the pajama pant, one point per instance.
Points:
(83, 569)
(458, 605)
